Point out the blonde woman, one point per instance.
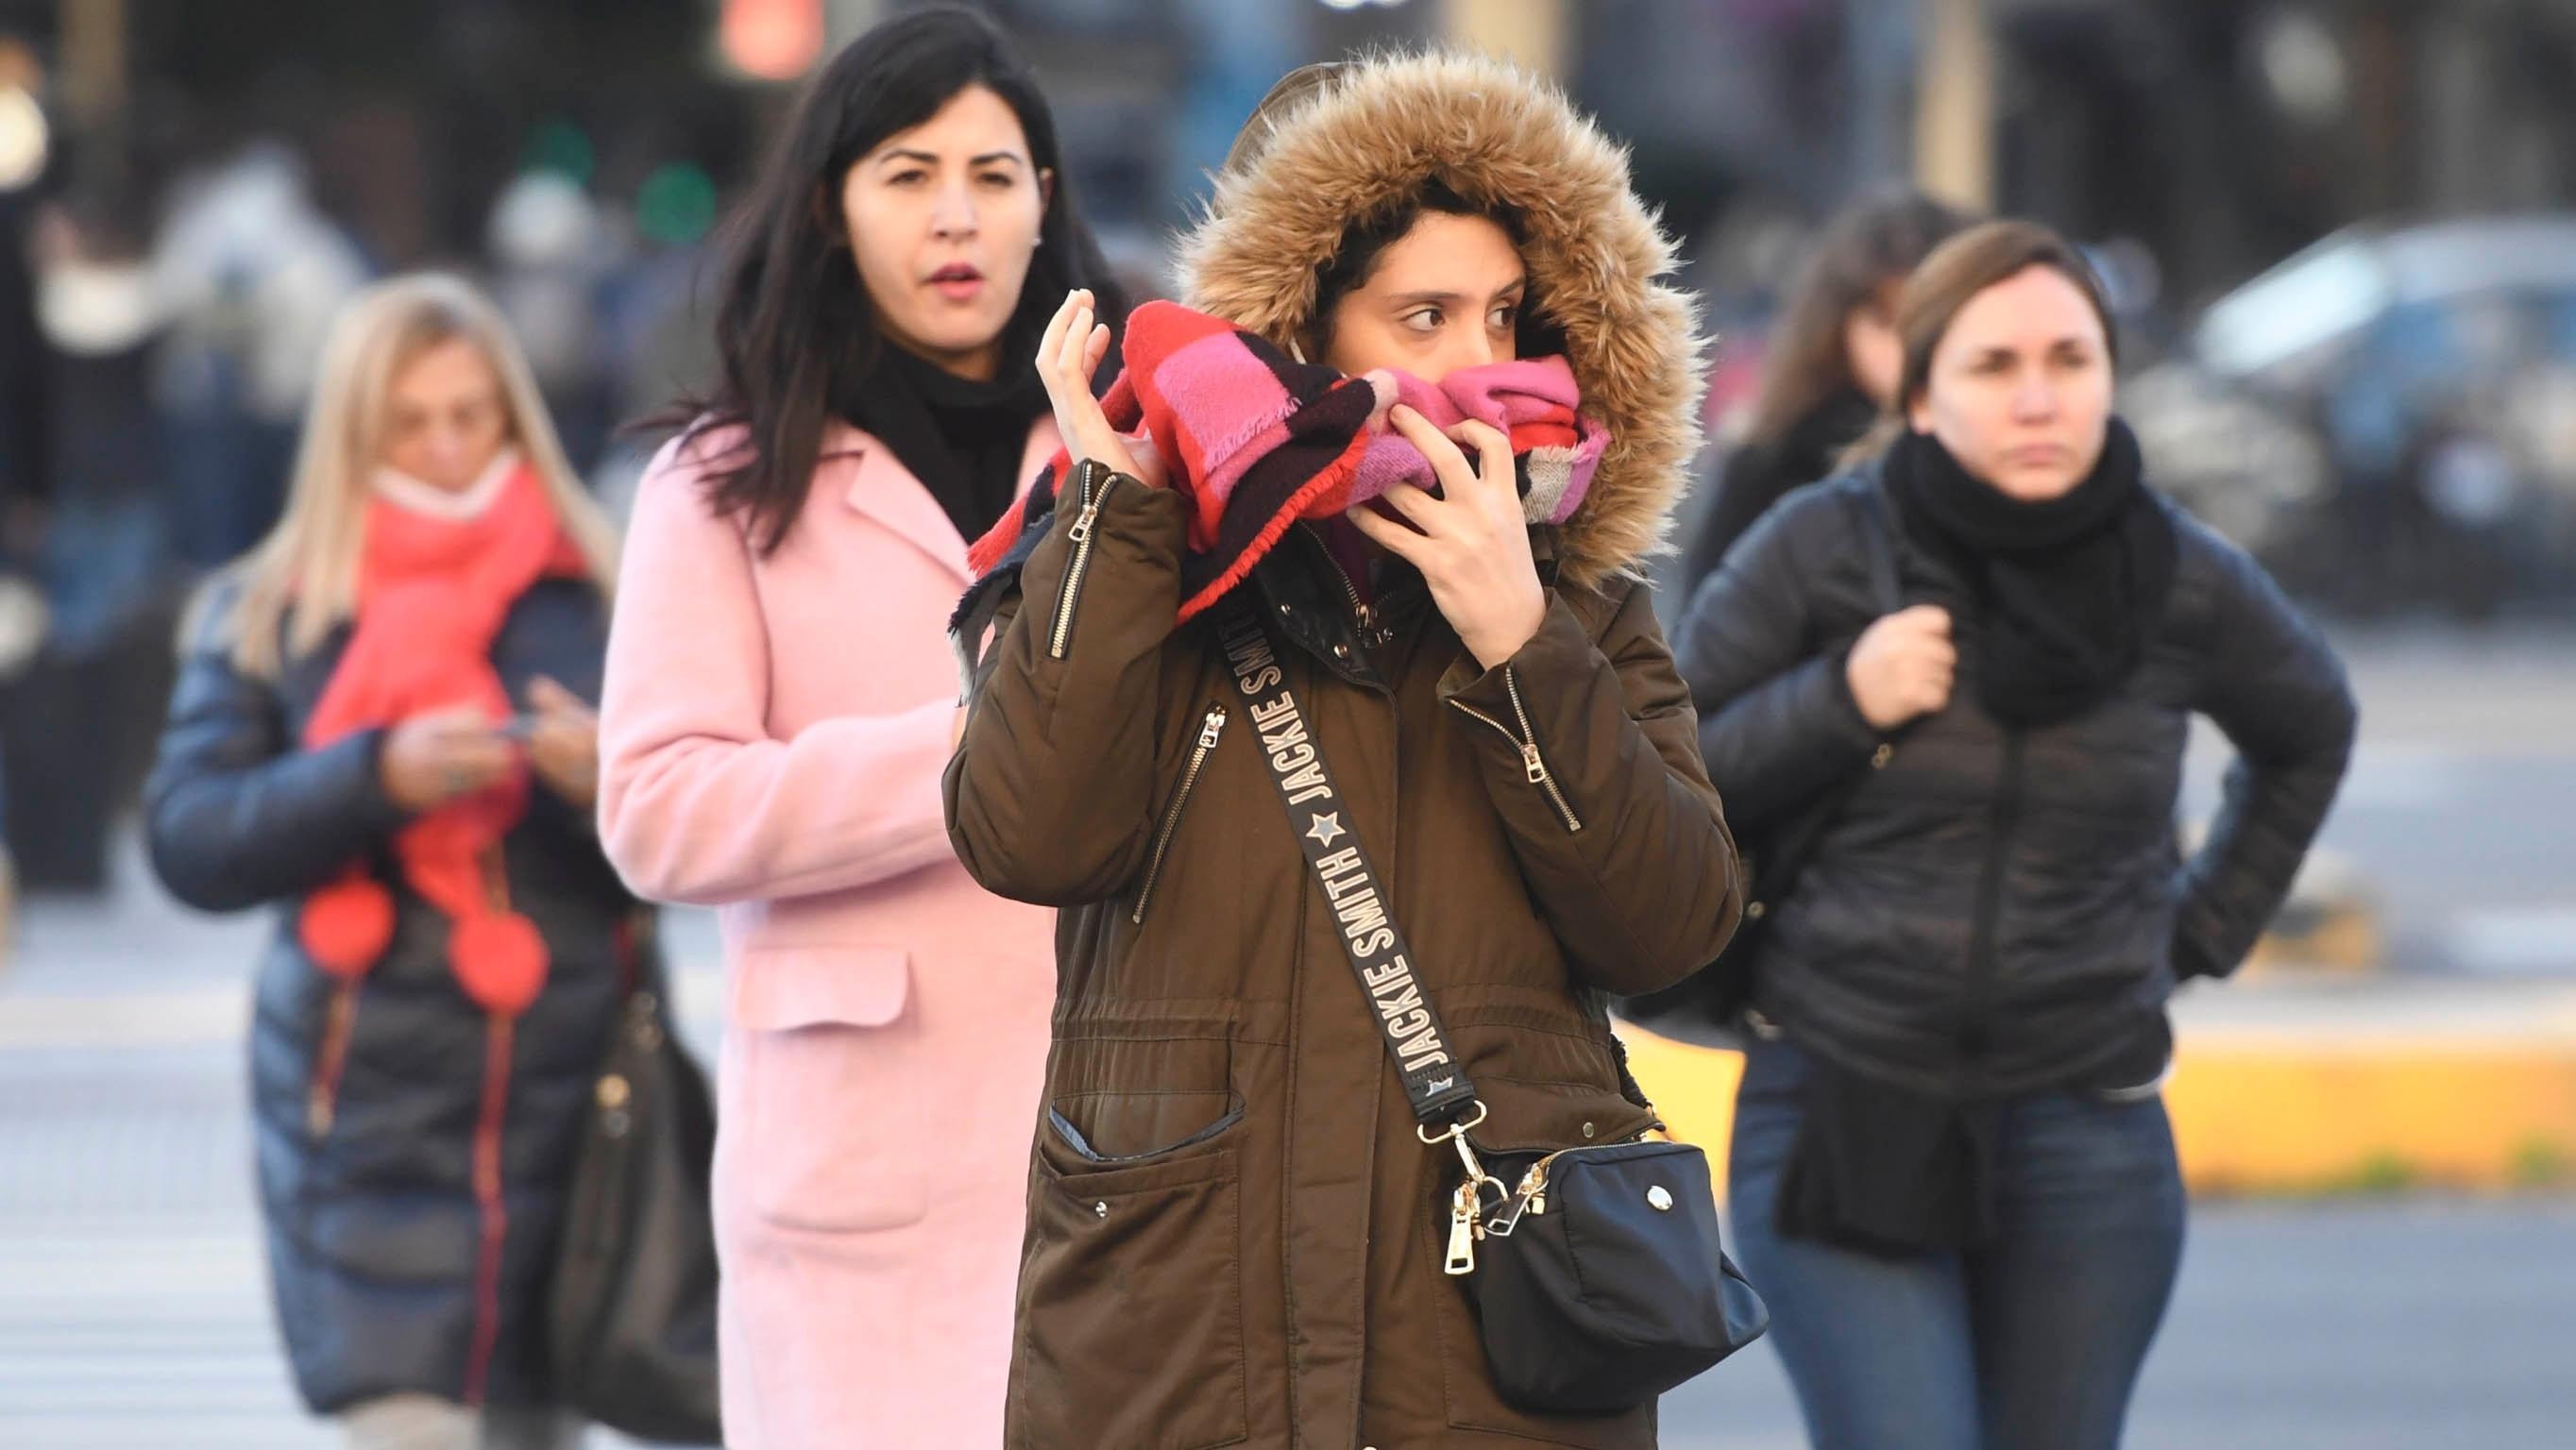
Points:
(381, 730)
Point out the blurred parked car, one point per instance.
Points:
(2433, 368)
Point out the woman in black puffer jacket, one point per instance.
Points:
(1953, 1177)
(380, 730)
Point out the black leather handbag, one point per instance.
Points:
(631, 1320)
(1600, 1282)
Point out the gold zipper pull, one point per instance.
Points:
(1536, 767)
(1462, 1232)
(1208, 730)
(1093, 486)
(1534, 1185)
(1079, 531)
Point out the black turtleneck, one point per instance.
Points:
(961, 438)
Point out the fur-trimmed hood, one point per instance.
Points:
(1365, 138)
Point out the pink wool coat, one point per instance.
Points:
(771, 741)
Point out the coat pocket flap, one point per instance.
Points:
(779, 988)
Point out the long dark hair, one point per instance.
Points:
(1866, 252)
(794, 325)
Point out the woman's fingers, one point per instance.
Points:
(1413, 503)
(1094, 351)
(1447, 463)
(1389, 535)
(1070, 350)
(1077, 335)
(549, 697)
(1493, 454)
(475, 765)
(1051, 341)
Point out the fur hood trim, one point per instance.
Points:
(1366, 138)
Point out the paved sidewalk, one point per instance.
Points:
(134, 1305)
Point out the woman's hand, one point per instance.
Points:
(1071, 348)
(1902, 667)
(1471, 543)
(563, 744)
(429, 760)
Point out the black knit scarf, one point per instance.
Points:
(2068, 590)
(961, 438)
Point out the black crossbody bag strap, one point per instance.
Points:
(1435, 1080)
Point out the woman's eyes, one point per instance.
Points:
(1427, 320)
(2069, 360)
(989, 180)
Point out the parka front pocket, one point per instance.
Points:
(1132, 1127)
(1131, 1303)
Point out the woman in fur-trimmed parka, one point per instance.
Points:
(1235, 1237)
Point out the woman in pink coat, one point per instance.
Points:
(780, 701)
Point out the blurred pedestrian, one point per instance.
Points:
(1953, 1175)
(1831, 368)
(781, 699)
(552, 251)
(1236, 1229)
(78, 720)
(26, 473)
(381, 728)
(252, 272)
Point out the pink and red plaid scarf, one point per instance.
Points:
(1258, 440)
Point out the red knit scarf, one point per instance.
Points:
(432, 595)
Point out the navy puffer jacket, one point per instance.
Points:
(396, 1266)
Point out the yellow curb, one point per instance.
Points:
(2272, 1114)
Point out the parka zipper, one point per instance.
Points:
(492, 1208)
(491, 1122)
(1094, 480)
(1209, 729)
(1533, 764)
(331, 1060)
(1365, 628)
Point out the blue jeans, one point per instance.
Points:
(2031, 1342)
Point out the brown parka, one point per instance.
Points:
(1234, 1236)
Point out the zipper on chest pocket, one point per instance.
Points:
(1210, 729)
(1092, 483)
(1525, 740)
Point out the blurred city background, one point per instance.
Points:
(2342, 235)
